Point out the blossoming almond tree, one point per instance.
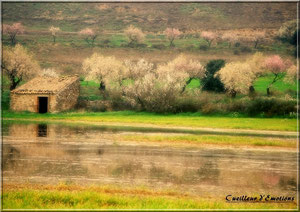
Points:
(237, 77)
(104, 70)
(155, 92)
(187, 68)
(209, 37)
(257, 38)
(287, 30)
(172, 34)
(49, 72)
(135, 70)
(18, 64)
(157, 89)
(54, 31)
(13, 30)
(292, 74)
(230, 38)
(134, 34)
(256, 63)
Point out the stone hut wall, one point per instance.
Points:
(29, 102)
(67, 98)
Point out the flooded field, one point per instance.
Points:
(52, 153)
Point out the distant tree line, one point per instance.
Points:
(135, 36)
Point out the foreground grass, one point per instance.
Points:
(111, 197)
(171, 120)
(214, 139)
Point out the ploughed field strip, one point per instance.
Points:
(135, 127)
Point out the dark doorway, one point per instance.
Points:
(43, 104)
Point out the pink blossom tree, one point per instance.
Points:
(172, 34)
(13, 30)
(277, 67)
(89, 35)
(208, 36)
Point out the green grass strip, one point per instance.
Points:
(182, 120)
(89, 198)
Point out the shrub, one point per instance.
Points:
(203, 47)
(187, 103)
(68, 70)
(236, 52)
(271, 107)
(211, 82)
(158, 46)
(209, 108)
(98, 106)
(81, 78)
(245, 49)
(190, 47)
(5, 100)
(237, 44)
(106, 41)
(141, 45)
(81, 103)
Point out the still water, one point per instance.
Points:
(51, 154)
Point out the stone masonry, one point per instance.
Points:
(62, 94)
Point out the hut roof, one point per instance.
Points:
(45, 85)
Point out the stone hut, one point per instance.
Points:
(46, 94)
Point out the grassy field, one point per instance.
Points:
(26, 196)
(172, 120)
(260, 85)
